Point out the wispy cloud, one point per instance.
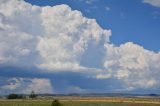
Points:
(156, 14)
(155, 3)
(88, 1)
(107, 8)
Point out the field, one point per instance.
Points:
(86, 101)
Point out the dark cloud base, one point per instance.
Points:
(68, 82)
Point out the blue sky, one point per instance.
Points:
(107, 46)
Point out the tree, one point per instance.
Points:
(15, 96)
(32, 95)
(12, 96)
(56, 103)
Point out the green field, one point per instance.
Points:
(72, 103)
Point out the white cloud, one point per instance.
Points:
(133, 64)
(52, 38)
(155, 3)
(67, 38)
(55, 38)
(26, 85)
(16, 35)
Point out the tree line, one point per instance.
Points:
(32, 96)
(20, 96)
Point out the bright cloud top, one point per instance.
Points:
(52, 38)
(55, 39)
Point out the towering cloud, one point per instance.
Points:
(67, 35)
(52, 38)
(58, 38)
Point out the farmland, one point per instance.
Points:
(86, 101)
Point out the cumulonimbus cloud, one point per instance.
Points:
(55, 38)
(52, 38)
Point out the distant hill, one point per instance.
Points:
(103, 94)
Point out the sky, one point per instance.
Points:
(79, 46)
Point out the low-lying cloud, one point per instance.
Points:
(25, 85)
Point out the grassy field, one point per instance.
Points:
(86, 102)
